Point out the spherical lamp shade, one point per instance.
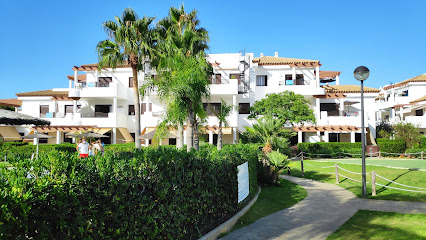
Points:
(361, 73)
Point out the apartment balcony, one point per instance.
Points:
(96, 90)
(225, 87)
(337, 118)
(419, 121)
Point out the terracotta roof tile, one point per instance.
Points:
(12, 102)
(94, 66)
(328, 74)
(81, 77)
(294, 62)
(348, 89)
(420, 78)
(44, 93)
(419, 100)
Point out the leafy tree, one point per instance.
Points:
(183, 70)
(409, 132)
(384, 130)
(130, 42)
(287, 106)
(271, 132)
(222, 114)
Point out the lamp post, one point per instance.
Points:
(361, 74)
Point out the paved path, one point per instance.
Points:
(324, 210)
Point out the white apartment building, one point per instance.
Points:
(102, 101)
(404, 101)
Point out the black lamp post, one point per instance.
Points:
(361, 74)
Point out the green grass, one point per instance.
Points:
(272, 199)
(382, 225)
(404, 176)
(386, 162)
(3, 164)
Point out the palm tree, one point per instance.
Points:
(179, 37)
(222, 114)
(270, 131)
(130, 43)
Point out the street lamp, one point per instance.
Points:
(361, 74)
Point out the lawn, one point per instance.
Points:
(272, 199)
(318, 171)
(382, 225)
(386, 162)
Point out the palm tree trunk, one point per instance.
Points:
(179, 140)
(196, 139)
(219, 137)
(189, 135)
(137, 106)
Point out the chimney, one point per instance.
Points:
(276, 54)
(261, 54)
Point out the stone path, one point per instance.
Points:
(324, 210)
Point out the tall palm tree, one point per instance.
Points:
(222, 114)
(130, 43)
(179, 36)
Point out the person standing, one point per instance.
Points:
(95, 148)
(83, 148)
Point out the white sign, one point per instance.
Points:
(243, 182)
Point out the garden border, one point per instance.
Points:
(226, 226)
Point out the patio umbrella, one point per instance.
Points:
(14, 118)
(88, 135)
(37, 136)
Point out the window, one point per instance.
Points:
(404, 93)
(44, 109)
(300, 79)
(288, 79)
(216, 79)
(333, 137)
(104, 81)
(331, 108)
(143, 108)
(419, 112)
(172, 141)
(358, 137)
(65, 138)
(70, 108)
(262, 80)
(42, 140)
(130, 82)
(133, 136)
(213, 107)
(131, 109)
(102, 110)
(244, 108)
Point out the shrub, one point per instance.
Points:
(160, 193)
(17, 151)
(388, 146)
(329, 149)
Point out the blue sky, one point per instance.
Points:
(42, 40)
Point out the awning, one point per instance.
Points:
(9, 134)
(100, 130)
(418, 107)
(127, 137)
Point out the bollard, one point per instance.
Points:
(373, 183)
(337, 173)
(301, 165)
(421, 155)
(5, 157)
(371, 152)
(380, 154)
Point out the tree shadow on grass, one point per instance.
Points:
(383, 189)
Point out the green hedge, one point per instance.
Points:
(17, 151)
(150, 193)
(329, 149)
(389, 146)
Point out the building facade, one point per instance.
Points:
(102, 101)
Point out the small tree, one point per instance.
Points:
(409, 132)
(384, 129)
(271, 132)
(287, 106)
(222, 114)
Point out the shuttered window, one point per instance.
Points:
(261, 80)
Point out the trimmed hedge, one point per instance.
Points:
(388, 146)
(18, 150)
(329, 149)
(150, 193)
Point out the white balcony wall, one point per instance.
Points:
(224, 88)
(419, 121)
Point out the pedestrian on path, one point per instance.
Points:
(83, 149)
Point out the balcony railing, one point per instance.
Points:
(94, 115)
(52, 115)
